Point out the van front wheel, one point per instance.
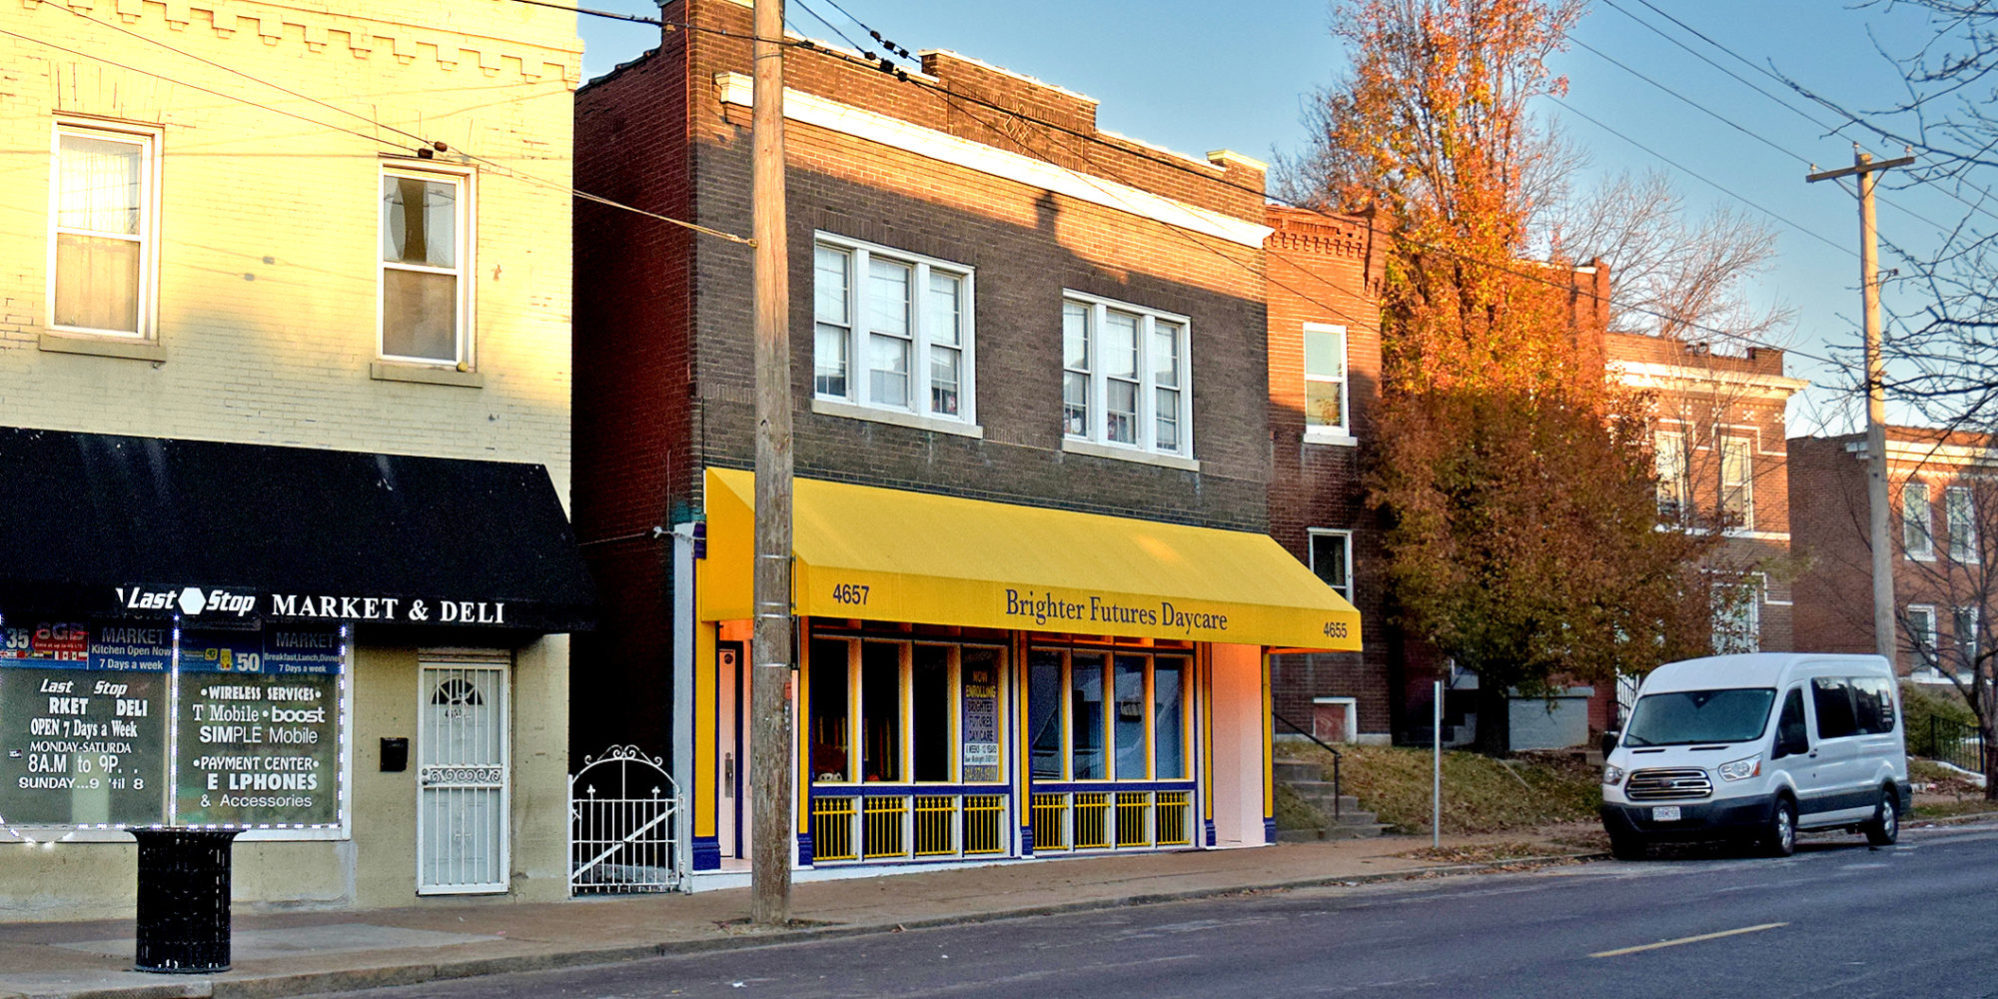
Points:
(1627, 847)
(1781, 837)
(1886, 825)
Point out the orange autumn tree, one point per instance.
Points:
(1517, 483)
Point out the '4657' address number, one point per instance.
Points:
(853, 594)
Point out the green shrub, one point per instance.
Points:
(1921, 702)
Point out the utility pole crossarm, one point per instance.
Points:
(1867, 167)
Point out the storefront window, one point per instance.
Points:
(832, 754)
(881, 711)
(1130, 719)
(1044, 714)
(930, 712)
(1137, 732)
(1168, 719)
(1085, 704)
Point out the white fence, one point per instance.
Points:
(626, 825)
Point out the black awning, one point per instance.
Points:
(95, 523)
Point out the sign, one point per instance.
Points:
(216, 603)
(980, 755)
(83, 716)
(259, 728)
(87, 708)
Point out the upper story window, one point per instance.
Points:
(1669, 457)
(1332, 559)
(1326, 405)
(1737, 488)
(1124, 376)
(1916, 537)
(1737, 615)
(102, 245)
(426, 255)
(1960, 513)
(892, 331)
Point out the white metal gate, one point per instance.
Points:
(625, 819)
(462, 778)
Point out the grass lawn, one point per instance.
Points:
(1480, 794)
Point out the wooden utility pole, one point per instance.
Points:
(1876, 396)
(770, 694)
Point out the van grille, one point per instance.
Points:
(1668, 785)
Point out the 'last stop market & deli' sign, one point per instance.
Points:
(103, 724)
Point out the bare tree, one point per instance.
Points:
(1947, 595)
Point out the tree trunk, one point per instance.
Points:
(1494, 719)
(1989, 755)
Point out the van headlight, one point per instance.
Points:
(1612, 775)
(1740, 769)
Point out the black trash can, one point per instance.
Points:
(183, 925)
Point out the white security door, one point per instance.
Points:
(462, 778)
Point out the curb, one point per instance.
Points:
(278, 985)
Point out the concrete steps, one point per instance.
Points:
(1306, 780)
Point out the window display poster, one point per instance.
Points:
(83, 722)
(981, 716)
(259, 728)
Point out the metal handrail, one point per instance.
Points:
(1337, 758)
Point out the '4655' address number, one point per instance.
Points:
(1335, 629)
(853, 594)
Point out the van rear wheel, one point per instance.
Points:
(1886, 825)
(1780, 839)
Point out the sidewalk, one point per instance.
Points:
(287, 953)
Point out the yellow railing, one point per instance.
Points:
(885, 835)
(935, 815)
(850, 827)
(1103, 820)
(983, 814)
(832, 829)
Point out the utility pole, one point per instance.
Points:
(1876, 396)
(771, 679)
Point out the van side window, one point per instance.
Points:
(1873, 699)
(1833, 698)
(1790, 736)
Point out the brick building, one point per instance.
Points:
(284, 446)
(1722, 462)
(1941, 500)
(1030, 436)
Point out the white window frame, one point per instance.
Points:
(1326, 433)
(1917, 522)
(1676, 479)
(857, 402)
(1095, 438)
(148, 141)
(1746, 487)
(1960, 516)
(1923, 638)
(1965, 622)
(467, 240)
(1311, 551)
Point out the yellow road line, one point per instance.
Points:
(1687, 940)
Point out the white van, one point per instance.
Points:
(1756, 747)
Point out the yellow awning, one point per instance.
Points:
(890, 555)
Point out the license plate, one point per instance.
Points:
(1665, 813)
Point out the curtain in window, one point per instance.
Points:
(98, 218)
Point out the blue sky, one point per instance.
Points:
(1200, 76)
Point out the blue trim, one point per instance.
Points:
(882, 790)
(1111, 785)
(1026, 841)
(1269, 830)
(805, 849)
(707, 853)
(1209, 826)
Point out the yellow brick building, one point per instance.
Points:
(284, 342)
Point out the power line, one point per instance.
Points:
(426, 146)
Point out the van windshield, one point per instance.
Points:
(1683, 717)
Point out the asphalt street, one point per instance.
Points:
(1838, 919)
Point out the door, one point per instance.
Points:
(728, 749)
(1842, 776)
(462, 778)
